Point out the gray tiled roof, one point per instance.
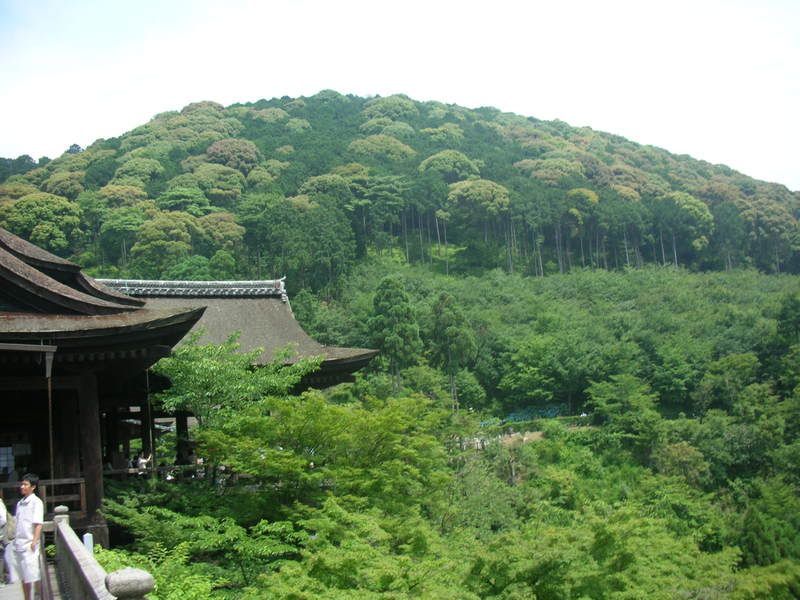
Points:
(197, 289)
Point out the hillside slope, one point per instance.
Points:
(305, 187)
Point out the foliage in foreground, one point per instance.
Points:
(681, 483)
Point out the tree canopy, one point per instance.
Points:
(538, 197)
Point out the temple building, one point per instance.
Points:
(74, 357)
(260, 314)
(259, 311)
(75, 354)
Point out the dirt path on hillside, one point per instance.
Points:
(521, 437)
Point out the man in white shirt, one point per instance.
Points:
(29, 516)
(3, 525)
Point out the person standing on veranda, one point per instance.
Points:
(29, 516)
(3, 525)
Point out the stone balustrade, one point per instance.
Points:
(84, 578)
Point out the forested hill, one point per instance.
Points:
(304, 187)
(680, 481)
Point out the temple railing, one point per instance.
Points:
(165, 472)
(53, 492)
(48, 593)
(82, 577)
(71, 492)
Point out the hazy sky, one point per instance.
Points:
(719, 80)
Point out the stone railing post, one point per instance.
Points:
(61, 515)
(130, 584)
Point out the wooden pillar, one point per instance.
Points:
(39, 461)
(91, 450)
(147, 429)
(67, 442)
(182, 434)
(111, 439)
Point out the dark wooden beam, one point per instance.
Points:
(91, 451)
(27, 347)
(38, 383)
(65, 409)
(146, 420)
(182, 450)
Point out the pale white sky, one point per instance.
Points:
(716, 79)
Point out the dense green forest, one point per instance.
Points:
(673, 472)
(307, 187)
(589, 378)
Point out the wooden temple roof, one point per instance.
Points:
(39, 281)
(258, 310)
(46, 299)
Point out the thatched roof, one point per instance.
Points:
(258, 310)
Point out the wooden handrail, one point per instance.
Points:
(50, 500)
(60, 481)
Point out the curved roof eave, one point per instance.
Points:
(82, 329)
(34, 255)
(95, 288)
(37, 288)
